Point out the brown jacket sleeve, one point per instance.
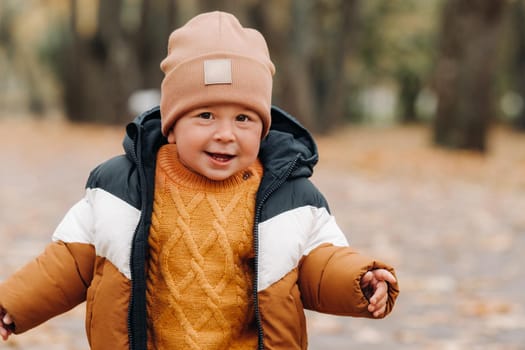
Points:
(53, 283)
(329, 280)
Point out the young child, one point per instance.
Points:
(207, 233)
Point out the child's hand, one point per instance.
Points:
(6, 325)
(375, 288)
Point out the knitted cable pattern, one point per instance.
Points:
(200, 269)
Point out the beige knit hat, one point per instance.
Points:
(213, 59)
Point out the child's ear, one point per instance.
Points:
(171, 136)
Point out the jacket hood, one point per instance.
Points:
(287, 143)
(143, 135)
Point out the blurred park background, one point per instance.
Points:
(457, 66)
(418, 107)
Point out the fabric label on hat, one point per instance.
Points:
(217, 71)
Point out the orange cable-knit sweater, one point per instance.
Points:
(200, 269)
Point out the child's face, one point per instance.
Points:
(217, 141)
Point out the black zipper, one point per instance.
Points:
(137, 314)
(132, 327)
(258, 209)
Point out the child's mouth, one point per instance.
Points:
(219, 157)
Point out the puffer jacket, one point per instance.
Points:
(99, 250)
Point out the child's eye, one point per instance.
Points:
(205, 115)
(242, 118)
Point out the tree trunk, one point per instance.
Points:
(311, 46)
(409, 88)
(287, 26)
(334, 46)
(99, 77)
(301, 96)
(517, 11)
(465, 72)
(104, 69)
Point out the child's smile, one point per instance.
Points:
(220, 157)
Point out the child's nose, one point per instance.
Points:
(224, 131)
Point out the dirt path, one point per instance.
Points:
(452, 224)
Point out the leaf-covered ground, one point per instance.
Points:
(452, 223)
